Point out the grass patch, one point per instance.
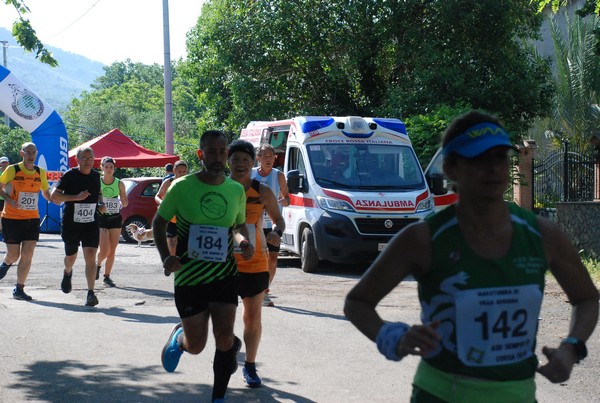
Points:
(593, 266)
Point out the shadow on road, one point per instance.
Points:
(74, 381)
(112, 311)
(151, 292)
(299, 311)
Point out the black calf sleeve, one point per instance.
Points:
(223, 367)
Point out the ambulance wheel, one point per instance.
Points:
(308, 258)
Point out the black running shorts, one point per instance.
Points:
(17, 231)
(251, 284)
(191, 300)
(73, 234)
(110, 221)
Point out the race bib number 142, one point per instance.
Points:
(497, 326)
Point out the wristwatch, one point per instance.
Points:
(578, 345)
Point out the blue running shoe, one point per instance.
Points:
(250, 376)
(220, 400)
(171, 351)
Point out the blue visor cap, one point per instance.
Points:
(477, 140)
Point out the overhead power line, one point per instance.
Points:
(76, 20)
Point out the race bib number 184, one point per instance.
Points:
(208, 243)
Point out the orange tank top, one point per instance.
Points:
(26, 186)
(254, 222)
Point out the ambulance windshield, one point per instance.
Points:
(365, 167)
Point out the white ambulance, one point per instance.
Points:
(443, 193)
(354, 182)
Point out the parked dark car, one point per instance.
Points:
(142, 206)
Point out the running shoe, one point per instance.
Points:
(98, 272)
(267, 301)
(219, 400)
(91, 300)
(167, 272)
(237, 344)
(171, 352)
(250, 376)
(19, 293)
(4, 269)
(108, 281)
(65, 284)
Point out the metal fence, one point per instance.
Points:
(564, 176)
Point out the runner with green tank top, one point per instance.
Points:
(487, 309)
(211, 214)
(209, 219)
(480, 267)
(110, 221)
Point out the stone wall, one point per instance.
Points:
(581, 223)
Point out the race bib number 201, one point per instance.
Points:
(208, 243)
(497, 326)
(28, 200)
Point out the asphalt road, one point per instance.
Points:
(53, 349)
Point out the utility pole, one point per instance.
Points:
(4, 47)
(169, 147)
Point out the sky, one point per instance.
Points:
(110, 30)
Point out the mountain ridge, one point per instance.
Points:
(55, 85)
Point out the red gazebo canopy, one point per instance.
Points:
(126, 152)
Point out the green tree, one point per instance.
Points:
(120, 73)
(25, 35)
(12, 140)
(426, 130)
(130, 97)
(578, 79)
(476, 53)
(273, 59)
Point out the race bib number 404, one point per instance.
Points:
(84, 212)
(497, 326)
(208, 243)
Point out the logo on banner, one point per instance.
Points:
(25, 103)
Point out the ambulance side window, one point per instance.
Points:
(296, 161)
(296, 172)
